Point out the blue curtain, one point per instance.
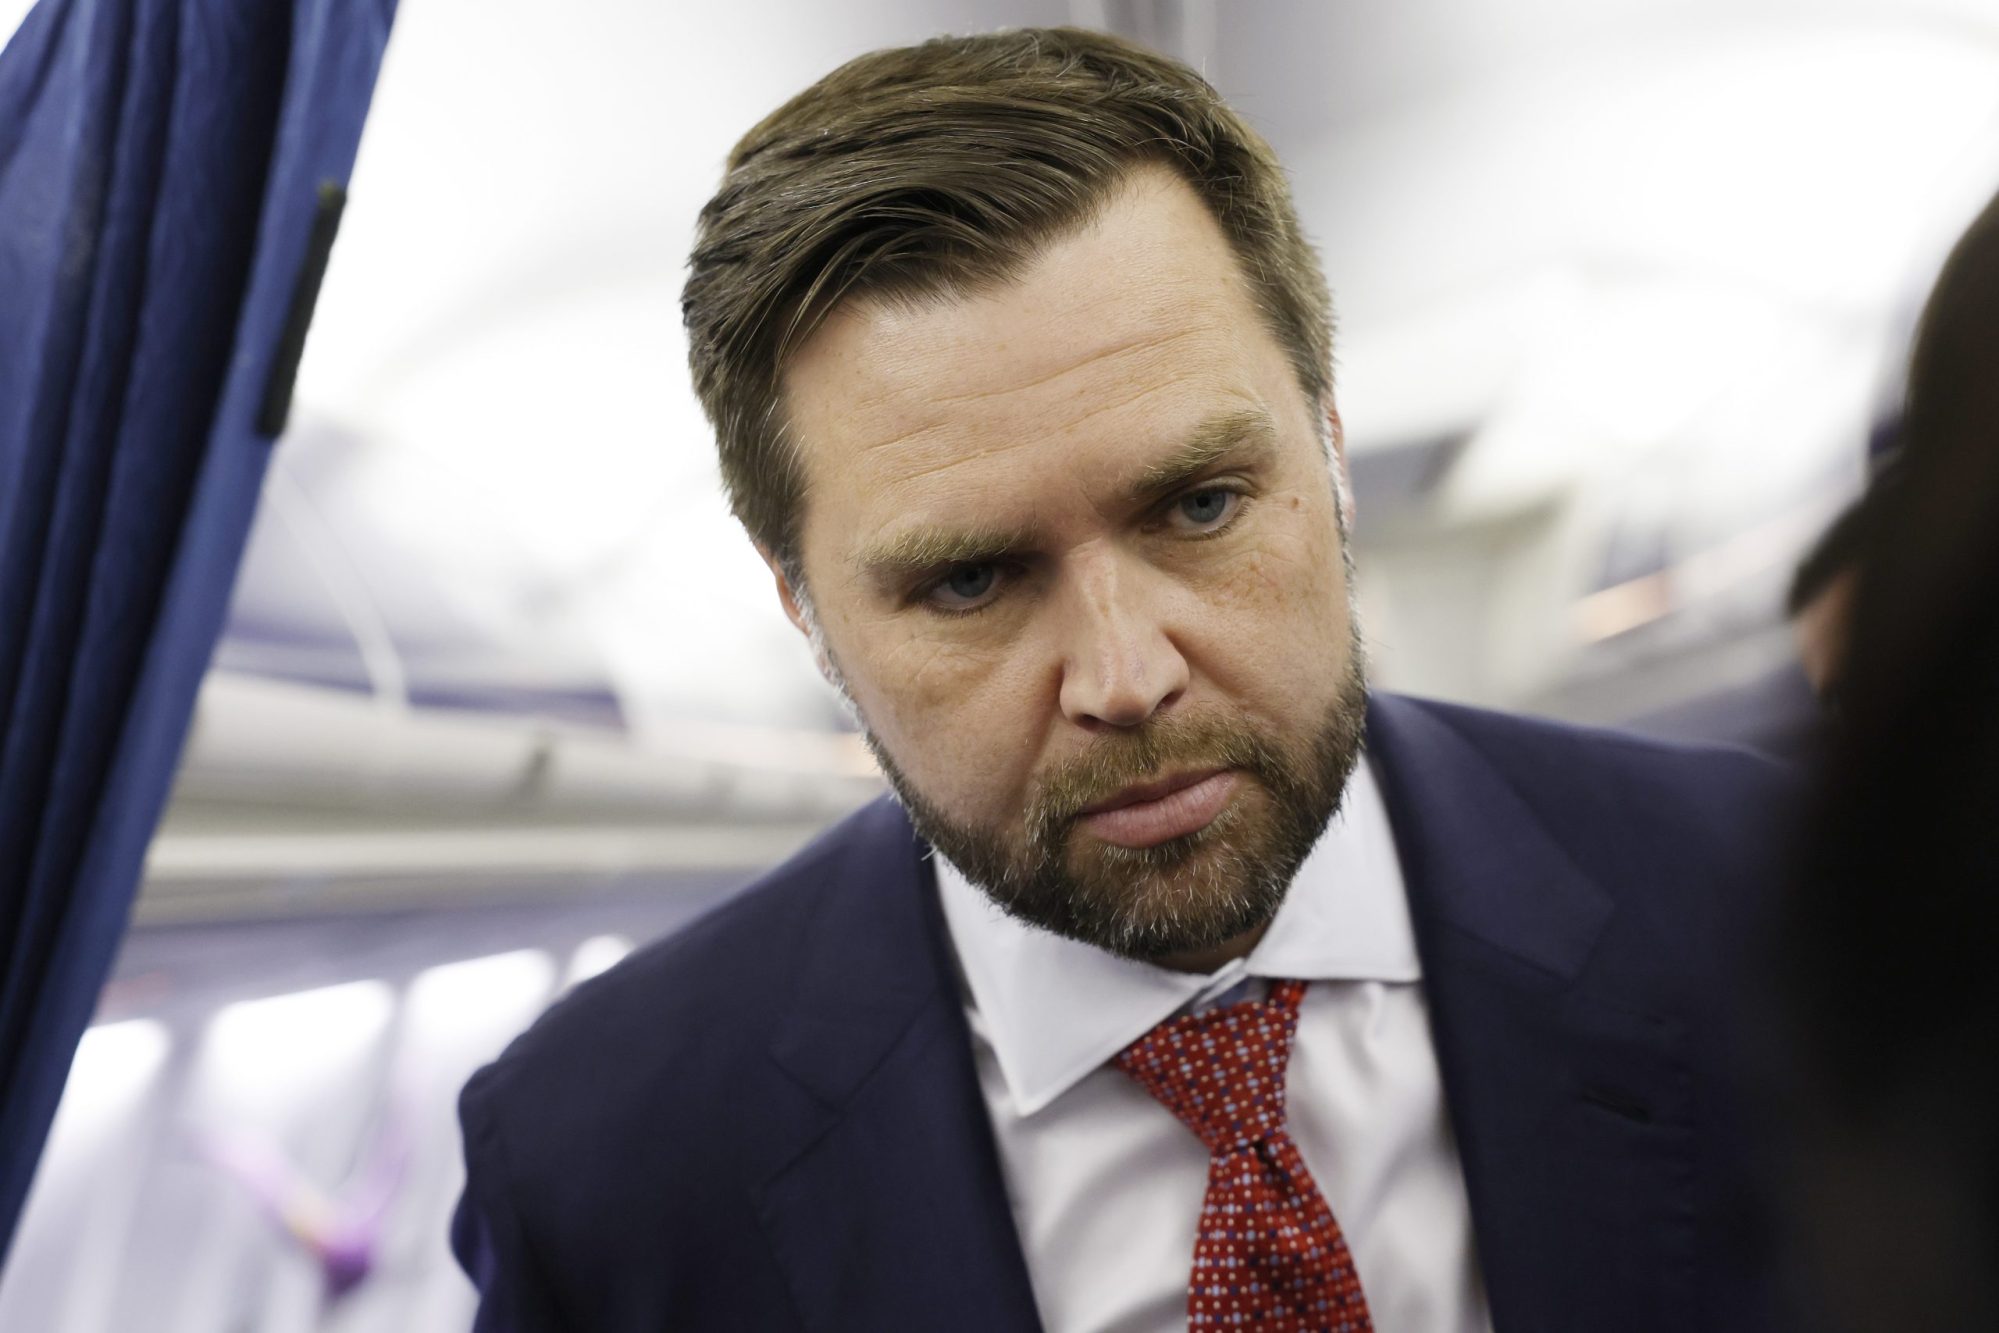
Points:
(170, 171)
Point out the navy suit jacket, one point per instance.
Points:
(771, 1120)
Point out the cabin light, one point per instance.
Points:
(260, 1055)
(115, 1064)
(594, 955)
(468, 998)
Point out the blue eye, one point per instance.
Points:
(964, 586)
(970, 581)
(1206, 508)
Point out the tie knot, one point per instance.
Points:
(1222, 1072)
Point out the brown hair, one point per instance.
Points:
(938, 169)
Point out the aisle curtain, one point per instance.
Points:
(170, 172)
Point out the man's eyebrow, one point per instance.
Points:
(1249, 434)
(924, 549)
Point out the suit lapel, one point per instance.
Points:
(1572, 1116)
(887, 1210)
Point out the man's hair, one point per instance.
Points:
(940, 170)
(1837, 550)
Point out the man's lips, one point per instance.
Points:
(1149, 791)
(1154, 812)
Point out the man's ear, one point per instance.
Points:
(1336, 432)
(786, 595)
(795, 611)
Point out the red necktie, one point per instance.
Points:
(1269, 1257)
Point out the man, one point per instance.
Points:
(1020, 371)
(1784, 713)
(1819, 604)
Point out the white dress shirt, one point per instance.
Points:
(1106, 1185)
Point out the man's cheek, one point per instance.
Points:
(931, 666)
(930, 692)
(1296, 558)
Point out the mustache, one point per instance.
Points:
(1125, 759)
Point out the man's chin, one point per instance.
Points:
(1168, 936)
(1188, 894)
(1171, 941)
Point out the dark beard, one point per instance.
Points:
(1187, 894)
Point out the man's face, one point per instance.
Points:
(1820, 629)
(1075, 549)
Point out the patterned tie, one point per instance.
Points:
(1269, 1256)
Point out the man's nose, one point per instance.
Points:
(1120, 664)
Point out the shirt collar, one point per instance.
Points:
(1054, 1009)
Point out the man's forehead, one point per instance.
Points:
(900, 371)
(1081, 417)
(1149, 270)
